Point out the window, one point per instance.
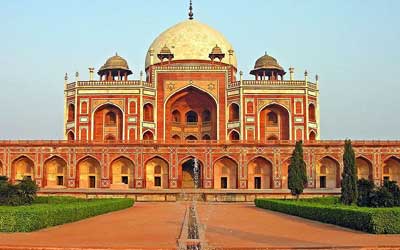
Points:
(148, 113)
(110, 119)
(233, 112)
(157, 181)
(191, 116)
(176, 116)
(257, 182)
(298, 108)
(206, 137)
(272, 118)
(124, 179)
(311, 112)
(206, 116)
(224, 182)
(60, 180)
(234, 136)
(71, 113)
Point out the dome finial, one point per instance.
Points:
(190, 10)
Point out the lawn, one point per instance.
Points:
(51, 211)
(330, 210)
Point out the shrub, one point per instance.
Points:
(42, 215)
(381, 197)
(365, 188)
(372, 220)
(22, 193)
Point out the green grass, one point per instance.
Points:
(330, 210)
(52, 211)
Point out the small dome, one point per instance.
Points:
(165, 50)
(267, 62)
(216, 50)
(115, 62)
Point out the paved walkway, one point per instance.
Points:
(145, 225)
(244, 225)
(157, 225)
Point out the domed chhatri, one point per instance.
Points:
(190, 40)
(216, 52)
(165, 53)
(267, 67)
(115, 66)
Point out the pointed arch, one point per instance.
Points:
(88, 172)
(225, 173)
(70, 136)
(122, 173)
(22, 167)
(328, 173)
(364, 168)
(148, 136)
(391, 169)
(55, 172)
(192, 98)
(71, 112)
(259, 173)
(234, 112)
(148, 112)
(107, 119)
(156, 173)
(187, 175)
(274, 118)
(234, 135)
(312, 136)
(311, 112)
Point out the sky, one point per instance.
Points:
(352, 45)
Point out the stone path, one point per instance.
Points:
(157, 225)
(244, 225)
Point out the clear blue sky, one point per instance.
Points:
(352, 45)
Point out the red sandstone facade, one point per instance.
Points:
(145, 133)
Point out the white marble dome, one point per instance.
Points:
(191, 40)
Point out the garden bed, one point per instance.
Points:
(329, 210)
(52, 211)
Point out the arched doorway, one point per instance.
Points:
(148, 136)
(274, 121)
(234, 136)
(108, 123)
(55, 172)
(198, 112)
(88, 173)
(21, 168)
(391, 169)
(312, 136)
(156, 170)
(189, 178)
(259, 174)
(191, 138)
(122, 172)
(311, 112)
(364, 168)
(71, 113)
(328, 175)
(234, 112)
(225, 173)
(70, 136)
(148, 112)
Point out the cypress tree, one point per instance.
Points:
(297, 176)
(349, 176)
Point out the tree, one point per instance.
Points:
(349, 175)
(297, 176)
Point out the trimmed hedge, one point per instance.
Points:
(371, 220)
(47, 212)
